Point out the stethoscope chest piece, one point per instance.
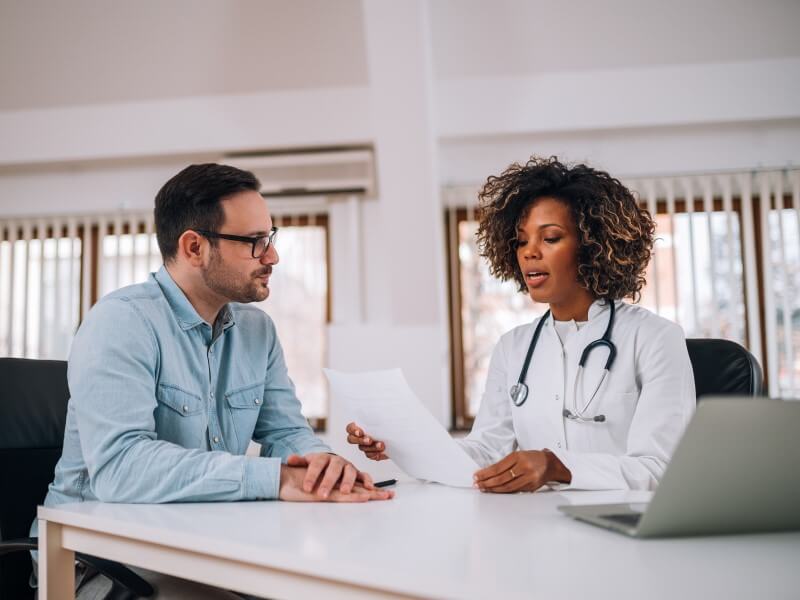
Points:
(518, 393)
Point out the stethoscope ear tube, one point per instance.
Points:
(603, 341)
(519, 391)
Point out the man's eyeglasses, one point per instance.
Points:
(260, 244)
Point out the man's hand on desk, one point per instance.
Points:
(374, 449)
(335, 480)
(522, 471)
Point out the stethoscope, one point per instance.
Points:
(519, 391)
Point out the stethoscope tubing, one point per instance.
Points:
(519, 391)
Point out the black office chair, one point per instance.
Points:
(724, 368)
(33, 412)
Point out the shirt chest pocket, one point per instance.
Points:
(621, 404)
(618, 408)
(180, 416)
(243, 405)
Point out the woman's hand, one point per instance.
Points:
(522, 471)
(374, 449)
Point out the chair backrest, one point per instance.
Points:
(33, 413)
(723, 368)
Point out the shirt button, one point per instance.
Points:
(557, 398)
(558, 444)
(216, 440)
(258, 400)
(211, 394)
(185, 408)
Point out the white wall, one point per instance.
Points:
(89, 52)
(475, 39)
(98, 114)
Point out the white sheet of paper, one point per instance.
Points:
(385, 406)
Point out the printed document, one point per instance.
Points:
(383, 404)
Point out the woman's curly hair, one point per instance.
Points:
(615, 233)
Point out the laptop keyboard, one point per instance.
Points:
(631, 519)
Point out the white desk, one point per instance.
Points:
(430, 541)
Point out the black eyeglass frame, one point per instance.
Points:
(243, 238)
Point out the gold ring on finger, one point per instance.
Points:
(512, 473)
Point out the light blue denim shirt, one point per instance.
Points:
(162, 407)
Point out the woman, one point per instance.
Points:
(576, 239)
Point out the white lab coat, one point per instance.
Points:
(647, 398)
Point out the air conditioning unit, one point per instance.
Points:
(311, 172)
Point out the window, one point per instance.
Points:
(784, 250)
(299, 305)
(695, 277)
(483, 308)
(716, 271)
(129, 254)
(47, 282)
(40, 270)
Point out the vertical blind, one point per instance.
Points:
(40, 293)
(730, 221)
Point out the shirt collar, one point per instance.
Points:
(599, 307)
(226, 317)
(186, 314)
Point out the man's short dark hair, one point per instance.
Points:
(192, 200)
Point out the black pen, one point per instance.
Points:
(386, 483)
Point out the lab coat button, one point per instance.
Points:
(558, 444)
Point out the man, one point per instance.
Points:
(171, 379)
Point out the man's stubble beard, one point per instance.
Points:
(228, 284)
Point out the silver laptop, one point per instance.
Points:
(736, 470)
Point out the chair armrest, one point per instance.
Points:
(119, 574)
(9, 546)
